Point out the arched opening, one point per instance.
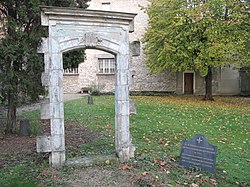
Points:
(76, 28)
(95, 76)
(89, 70)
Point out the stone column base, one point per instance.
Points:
(125, 153)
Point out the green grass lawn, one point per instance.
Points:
(163, 122)
(160, 126)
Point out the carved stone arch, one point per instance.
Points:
(77, 28)
(109, 46)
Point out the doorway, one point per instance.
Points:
(188, 83)
(71, 29)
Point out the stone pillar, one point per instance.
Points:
(123, 140)
(56, 108)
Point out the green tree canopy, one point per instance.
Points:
(197, 35)
(72, 59)
(20, 65)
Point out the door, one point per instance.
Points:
(188, 83)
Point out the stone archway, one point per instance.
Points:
(71, 28)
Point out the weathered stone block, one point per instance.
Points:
(57, 110)
(56, 78)
(122, 127)
(135, 48)
(56, 94)
(45, 109)
(54, 45)
(122, 77)
(57, 126)
(56, 62)
(122, 108)
(122, 93)
(45, 79)
(123, 62)
(43, 144)
(43, 48)
(57, 158)
(132, 109)
(131, 26)
(57, 142)
(125, 153)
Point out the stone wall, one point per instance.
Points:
(225, 81)
(141, 80)
(71, 83)
(229, 81)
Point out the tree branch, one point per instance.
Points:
(3, 10)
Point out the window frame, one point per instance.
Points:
(106, 66)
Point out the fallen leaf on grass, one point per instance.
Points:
(162, 163)
(213, 181)
(145, 173)
(148, 140)
(197, 176)
(172, 159)
(160, 142)
(155, 161)
(126, 167)
(194, 185)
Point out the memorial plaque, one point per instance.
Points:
(198, 153)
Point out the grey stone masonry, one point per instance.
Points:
(71, 28)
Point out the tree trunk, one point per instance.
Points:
(208, 80)
(11, 115)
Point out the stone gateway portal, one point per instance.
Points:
(71, 28)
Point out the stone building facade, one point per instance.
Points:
(97, 70)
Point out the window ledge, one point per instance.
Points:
(71, 74)
(105, 74)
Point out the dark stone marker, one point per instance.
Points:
(132, 109)
(90, 100)
(24, 127)
(198, 153)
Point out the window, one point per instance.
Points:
(106, 6)
(71, 71)
(106, 65)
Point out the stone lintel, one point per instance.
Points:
(65, 13)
